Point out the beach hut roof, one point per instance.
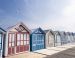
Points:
(37, 30)
(46, 31)
(68, 33)
(49, 30)
(2, 30)
(8, 27)
(56, 32)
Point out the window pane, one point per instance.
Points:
(13, 44)
(13, 37)
(24, 36)
(18, 36)
(58, 39)
(34, 42)
(27, 36)
(34, 36)
(24, 42)
(42, 36)
(18, 43)
(27, 42)
(10, 37)
(21, 36)
(9, 44)
(21, 42)
(38, 37)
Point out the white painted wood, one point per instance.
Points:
(6, 45)
(49, 39)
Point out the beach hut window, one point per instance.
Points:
(27, 36)
(58, 40)
(21, 36)
(34, 37)
(11, 39)
(13, 44)
(24, 39)
(24, 42)
(21, 42)
(24, 36)
(34, 42)
(21, 39)
(42, 36)
(9, 44)
(27, 42)
(18, 43)
(18, 39)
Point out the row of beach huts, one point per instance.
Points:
(19, 38)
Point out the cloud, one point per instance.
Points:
(59, 16)
(50, 14)
(69, 10)
(66, 20)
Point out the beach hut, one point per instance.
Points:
(57, 38)
(68, 37)
(49, 38)
(2, 35)
(63, 38)
(71, 37)
(17, 39)
(37, 39)
(74, 36)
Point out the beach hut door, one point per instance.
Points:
(22, 42)
(58, 41)
(11, 44)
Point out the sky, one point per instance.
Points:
(47, 14)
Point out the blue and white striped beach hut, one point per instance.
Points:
(37, 39)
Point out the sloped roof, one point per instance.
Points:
(35, 30)
(46, 31)
(8, 27)
(49, 30)
(56, 32)
(74, 33)
(2, 30)
(67, 33)
(62, 32)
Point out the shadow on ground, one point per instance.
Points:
(69, 53)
